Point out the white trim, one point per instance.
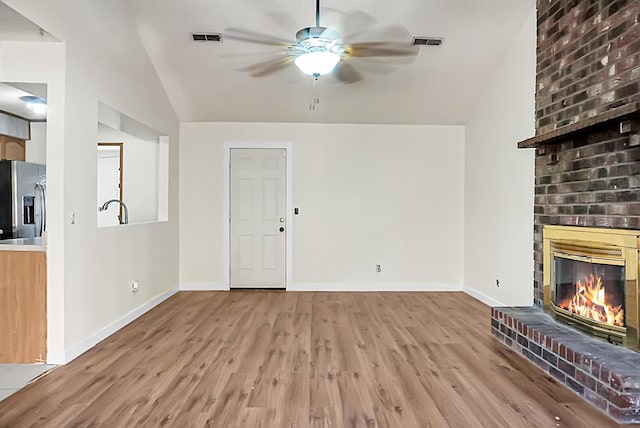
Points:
(489, 301)
(289, 207)
(203, 286)
(81, 347)
(389, 287)
(55, 358)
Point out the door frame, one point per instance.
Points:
(226, 217)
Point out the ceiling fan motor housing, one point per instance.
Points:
(325, 33)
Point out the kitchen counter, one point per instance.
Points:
(22, 244)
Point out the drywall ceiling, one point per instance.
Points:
(15, 27)
(205, 81)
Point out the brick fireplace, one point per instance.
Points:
(587, 178)
(588, 67)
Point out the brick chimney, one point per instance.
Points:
(587, 121)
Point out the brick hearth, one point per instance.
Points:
(605, 375)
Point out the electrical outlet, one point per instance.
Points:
(497, 282)
(134, 286)
(378, 268)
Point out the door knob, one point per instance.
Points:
(282, 229)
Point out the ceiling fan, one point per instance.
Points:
(320, 50)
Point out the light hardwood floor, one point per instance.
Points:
(283, 359)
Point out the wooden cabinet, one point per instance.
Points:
(12, 148)
(23, 306)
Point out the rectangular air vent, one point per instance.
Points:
(427, 41)
(206, 37)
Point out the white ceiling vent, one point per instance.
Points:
(206, 37)
(427, 41)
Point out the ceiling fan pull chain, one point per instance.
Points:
(314, 98)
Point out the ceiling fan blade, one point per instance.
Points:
(375, 65)
(346, 73)
(266, 68)
(254, 37)
(381, 49)
(263, 54)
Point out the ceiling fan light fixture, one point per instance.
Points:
(317, 63)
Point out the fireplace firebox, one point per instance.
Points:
(591, 281)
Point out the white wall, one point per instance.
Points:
(499, 181)
(36, 149)
(140, 173)
(389, 195)
(97, 265)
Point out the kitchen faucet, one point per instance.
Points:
(124, 206)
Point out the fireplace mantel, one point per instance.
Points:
(592, 124)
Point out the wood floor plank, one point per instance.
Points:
(256, 359)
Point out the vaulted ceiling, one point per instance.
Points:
(209, 81)
(205, 81)
(15, 27)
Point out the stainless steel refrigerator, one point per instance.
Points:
(23, 205)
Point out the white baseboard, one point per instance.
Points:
(489, 301)
(390, 287)
(55, 358)
(81, 347)
(203, 286)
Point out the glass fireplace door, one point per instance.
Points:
(593, 289)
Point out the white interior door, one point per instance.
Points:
(258, 218)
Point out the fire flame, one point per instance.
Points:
(590, 301)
